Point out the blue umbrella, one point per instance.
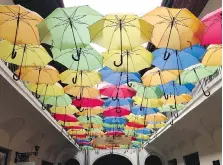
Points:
(82, 140)
(118, 102)
(113, 129)
(197, 51)
(144, 131)
(177, 60)
(115, 120)
(138, 110)
(173, 88)
(119, 78)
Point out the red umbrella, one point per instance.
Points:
(87, 102)
(116, 111)
(121, 91)
(114, 133)
(73, 127)
(79, 136)
(135, 125)
(213, 22)
(65, 118)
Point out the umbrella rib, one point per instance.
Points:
(8, 20)
(31, 28)
(12, 11)
(61, 41)
(128, 36)
(163, 34)
(178, 34)
(78, 34)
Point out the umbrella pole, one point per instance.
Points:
(37, 96)
(74, 80)
(43, 107)
(205, 93)
(142, 98)
(16, 34)
(129, 84)
(166, 54)
(165, 96)
(175, 101)
(15, 77)
(121, 57)
(178, 67)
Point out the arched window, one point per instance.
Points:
(72, 162)
(153, 160)
(112, 159)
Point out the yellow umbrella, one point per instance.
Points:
(133, 60)
(155, 125)
(184, 98)
(213, 56)
(174, 28)
(46, 89)
(135, 118)
(90, 111)
(76, 132)
(70, 109)
(96, 133)
(120, 32)
(68, 124)
(156, 76)
(80, 78)
(142, 136)
(38, 75)
(87, 92)
(130, 128)
(18, 25)
(151, 103)
(91, 125)
(157, 117)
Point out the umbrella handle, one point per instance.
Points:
(166, 96)
(176, 115)
(114, 98)
(190, 44)
(129, 84)
(74, 79)
(207, 93)
(16, 77)
(76, 59)
(121, 62)
(166, 55)
(43, 107)
(14, 53)
(37, 96)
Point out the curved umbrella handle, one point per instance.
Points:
(171, 123)
(76, 59)
(36, 95)
(114, 98)
(176, 115)
(166, 55)
(16, 77)
(121, 62)
(43, 107)
(14, 53)
(207, 93)
(190, 44)
(166, 96)
(74, 79)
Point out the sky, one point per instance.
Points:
(139, 7)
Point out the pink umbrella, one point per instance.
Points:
(73, 127)
(213, 34)
(65, 118)
(116, 111)
(114, 133)
(87, 102)
(122, 91)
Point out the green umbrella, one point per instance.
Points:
(63, 100)
(89, 58)
(146, 92)
(90, 119)
(68, 27)
(170, 108)
(129, 132)
(87, 148)
(113, 125)
(197, 73)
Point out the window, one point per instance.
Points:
(192, 159)
(3, 156)
(172, 162)
(216, 162)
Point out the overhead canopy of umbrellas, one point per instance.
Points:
(104, 95)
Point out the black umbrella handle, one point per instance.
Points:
(121, 61)
(166, 55)
(16, 77)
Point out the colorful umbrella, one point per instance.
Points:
(195, 74)
(132, 118)
(18, 26)
(114, 133)
(146, 92)
(135, 125)
(90, 119)
(80, 78)
(115, 120)
(129, 132)
(116, 92)
(74, 132)
(70, 109)
(183, 98)
(127, 102)
(87, 102)
(79, 92)
(133, 60)
(137, 110)
(213, 33)
(145, 131)
(158, 117)
(174, 28)
(68, 27)
(119, 78)
(62, 100)
(120, 32)
(90, 111)
(142, 137)
(87, 148)
(65, 117)
(113, 125)
(116, 111)
(155, 125)
(151, 103)
(91, 125)
(213, 56)
(88, 59)
(96, 133)
(115, 128)
(70, 125)
(171, 107)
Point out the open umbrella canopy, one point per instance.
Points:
(116, 111)
(135, 125)
(114, 133)
(18, 24)
(213, 23)
(184, 98)
(137, 110)
(150, 103)
(133, 60)
(91, 125)
(46, 89)
(116, 92)
(135, 119)
(158, 117)
(65, 117)
(171, 25)
(115, 120)
(86, 92)
(70, 109)
(171, 107)
(68, 27)
(76, 132)
(145, 131)
(113, 125)
(62, 100)
(38, 75)
(90, 111)
(87, 102)
(87, 59)
(213, 56)
(70, 125)
(127, 102)
(146, 92)
(155, 125)
(119, 78)
(80, 78)
(90, 119)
